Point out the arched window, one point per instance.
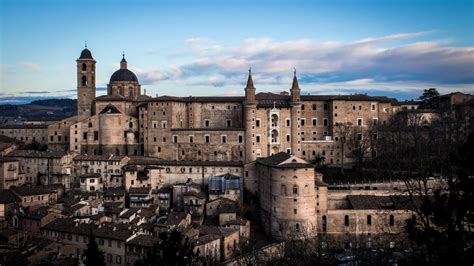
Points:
(84, 67)
(295, 190)
(274, 120)
(306, 189)
(369, 219)
(130, 91)
(274, 136)
(84, 81)
(297, 227)
(392, 220)
(346, 220)
(283, 190)
(130, 124)
(90, 124)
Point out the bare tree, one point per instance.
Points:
(343, 131)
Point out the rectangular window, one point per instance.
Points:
(191, 139)
(84, 136)
(208, 138)
(287, 138)
(224, 139)
(206, 123)
(96, 135)
(257, 123)
(359, 121)
(375, 121)
(315, 123)
(229, 123)
(257, 138)
(325, 122)
(241, 139)
(373, 107)
(303, 122)
(175, 139)
(288, 122)
(325, 106)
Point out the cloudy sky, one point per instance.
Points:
(395, 48)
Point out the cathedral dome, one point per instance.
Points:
(123, 75)
(86, 54)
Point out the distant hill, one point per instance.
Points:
(50, 109)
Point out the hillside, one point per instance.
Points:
(50, 109)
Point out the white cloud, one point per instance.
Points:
(366, 62)
(30, 66)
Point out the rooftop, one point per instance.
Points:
(7, 196)
(143, 241)
(37, 154)
(372, 202)
(114, 231)
(139, 190)
(110, 157)
(282, 160)
(29, 191)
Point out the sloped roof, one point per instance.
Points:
(139, 190)
(7, 196)
(281, 160)
(372, 202)
(36, 154)
(29, 191)
(110, 109)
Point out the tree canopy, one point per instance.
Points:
(94, 256)
(172, 248)
(429, 98)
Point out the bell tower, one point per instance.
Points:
(250, 105)
(85, 84)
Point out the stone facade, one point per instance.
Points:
(26, 133)
(225, 129)
(287, 196)
(45, 167)
(9, 173)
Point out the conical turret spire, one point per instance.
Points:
(295, 85)
(250, 81)
(250, 89)
(295, 89)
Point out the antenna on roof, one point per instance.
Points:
(85, 45)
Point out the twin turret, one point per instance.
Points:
(250, 90)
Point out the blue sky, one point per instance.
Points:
(187, 48)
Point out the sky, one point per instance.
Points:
(393, 48)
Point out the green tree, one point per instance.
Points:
(94, 256)
(429, 98)
(172, 248)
